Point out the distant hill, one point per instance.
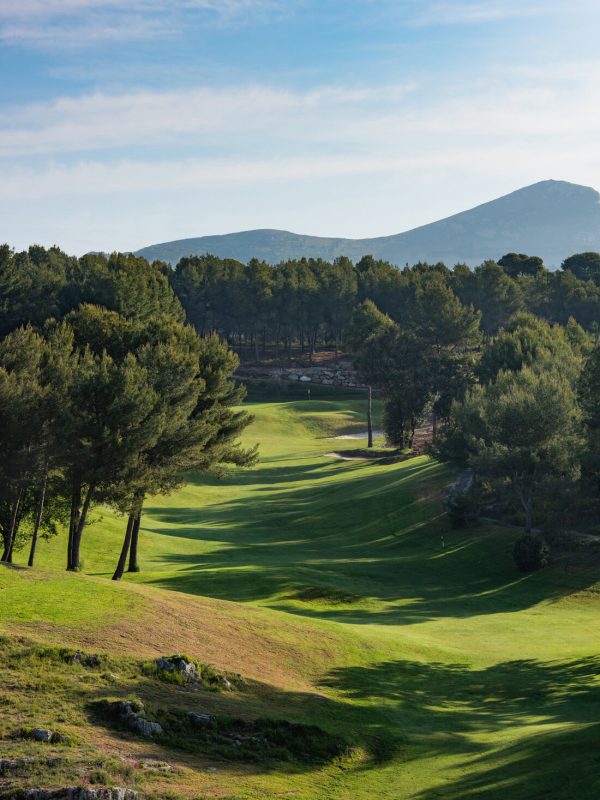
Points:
(551, 219)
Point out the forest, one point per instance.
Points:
(116, 377)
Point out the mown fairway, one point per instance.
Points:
(356, 607)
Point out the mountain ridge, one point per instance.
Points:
(552, 219)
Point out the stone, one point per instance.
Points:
(85, 659)
(144, 726)
(224, 683)
(136, 722)
(42, 735)
(80, 793)
(164, 664)
(188, 669)
(199, 719)
(305, 379)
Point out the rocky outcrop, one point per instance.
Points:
(136, 721)
(74, 793)
(340, 374)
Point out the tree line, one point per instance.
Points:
(308, 303)
(519, 407)
(107, 395)
(115, 374)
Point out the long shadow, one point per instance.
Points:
(550, 708)
(380, 537)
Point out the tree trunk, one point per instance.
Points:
(12, 532)
(135, 535)
(124, 550)
(38, 520)
(73, 521)
(370, 419)
(80, 525)
(528, 516)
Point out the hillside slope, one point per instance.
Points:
(552, 219)
(342, 596)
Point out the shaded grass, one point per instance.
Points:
(356, 608)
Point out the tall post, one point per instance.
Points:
(370, 419)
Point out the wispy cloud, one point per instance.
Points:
(222, 137)
(226, 116)
(77, 23)
(466, 12)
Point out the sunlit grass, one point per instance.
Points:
(454, 675)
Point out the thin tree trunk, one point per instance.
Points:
(528, 517)
(8, 547)
(124, 550)
(135, 535)
(38, 520)
(370, 420)
(73, 522)
(80, 525)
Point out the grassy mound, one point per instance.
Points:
(342, 595)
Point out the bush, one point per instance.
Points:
(531, 553)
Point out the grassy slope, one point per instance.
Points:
(456, 676)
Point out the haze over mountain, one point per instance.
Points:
(551, 219)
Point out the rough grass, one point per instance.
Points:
(341, 594)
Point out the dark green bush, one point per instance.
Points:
(531, 553)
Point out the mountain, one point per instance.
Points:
(551, 219)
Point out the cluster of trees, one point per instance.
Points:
(520, 407)
(114, 378)
(106, 395)
(309, 302)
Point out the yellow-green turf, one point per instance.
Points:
(339, 590)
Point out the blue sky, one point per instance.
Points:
(127, 123)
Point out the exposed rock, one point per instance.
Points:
(343, 375)
(85, 659)
(188, 669)
(225, 684)
(42, 735)
(136, 721)
(77, 793)
(199, 719)
(165, 664)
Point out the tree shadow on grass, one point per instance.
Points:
(548, 712)
(383, 538)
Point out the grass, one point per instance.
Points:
(341, 594)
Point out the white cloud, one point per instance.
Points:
(24, 9)
(77, 23)
(101, 121)
(455, 13)
(247, 121)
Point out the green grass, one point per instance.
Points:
(339, 590)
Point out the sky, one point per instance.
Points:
(124, 124)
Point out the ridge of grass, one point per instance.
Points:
(341, 594)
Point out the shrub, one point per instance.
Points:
(531, 553)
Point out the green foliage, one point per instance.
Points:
(585, 266)
(257, 740)
(522, 429)
(531, 553)
(518, 265)
(111, 397)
